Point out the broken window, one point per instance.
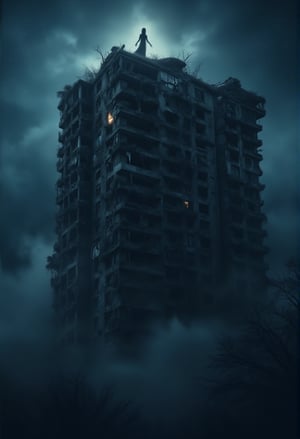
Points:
(169, 80)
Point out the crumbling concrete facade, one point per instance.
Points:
(158, 196)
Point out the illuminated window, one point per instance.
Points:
(110, 119)
(187, 204)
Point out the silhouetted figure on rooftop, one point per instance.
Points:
(141, 50)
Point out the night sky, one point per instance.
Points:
(46, 45)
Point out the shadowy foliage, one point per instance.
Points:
(250, 389)
(69, 408)
(255, 390)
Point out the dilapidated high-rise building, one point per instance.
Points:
(158, 197)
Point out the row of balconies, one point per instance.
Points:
(60, 165)
(74, 131)
(240, 208)
(233, 117)
(60, 151)
(250, 249)
(251, 139)
(252, 152)
(247, 237)
(151, 174)
(139, 189)
(247, 179)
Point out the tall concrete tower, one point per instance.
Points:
(158, 197)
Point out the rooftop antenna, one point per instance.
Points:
(143, 39)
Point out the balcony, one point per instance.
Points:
(152, 156)
(136, 115)
(251, 124)
(142, 268)
(232, 130)
(172, 173)
(136, 207)
(256, 185)
(135, 169)
(61, 137)
(60, 151)
(151, 229)
(145, 247)
(60, 182)
(250, 139)
(139, 189)
(252, 152)
(125, 92)
(258, 215)
(176, 203)
(235, 177)
(64, 121)
(238, 241)
(60, 165)
(260, 110)
(254, 169)
(233, 147)
(172, 155)
(59, 197)
(257, 248)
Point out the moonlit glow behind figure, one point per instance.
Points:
(143, 39)
(161, 47)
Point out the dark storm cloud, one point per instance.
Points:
(26, 193)
(25, 303)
